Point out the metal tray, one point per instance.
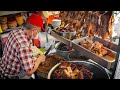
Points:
(83, 51)
(100, 60)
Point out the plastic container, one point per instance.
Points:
(56, 22)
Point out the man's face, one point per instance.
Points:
(35, 31)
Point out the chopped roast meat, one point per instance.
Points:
(95, 47)
(86, 73)
(51, 60)
(72, 71)
(86, 44)
(65, 65)
(63, 47)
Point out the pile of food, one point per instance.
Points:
(63, 47)
(94, 47)
(3, 23)
(11, 21)
(73, 18)
(50, 61)
(65, 29)
(68, 70)
(88, 23)
(20, 20)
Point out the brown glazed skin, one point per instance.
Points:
(50, 61)
(89, 21)
(68, 70)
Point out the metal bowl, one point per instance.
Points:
(62, 53)
(98, 71)
(68, 35)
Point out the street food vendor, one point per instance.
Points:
(17, 60)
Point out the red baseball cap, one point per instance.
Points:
(35, 20)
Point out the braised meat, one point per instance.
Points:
(95, 47)
(72, 71)
(50, 61)
(99, 49)
(63, 47)
(86, 44)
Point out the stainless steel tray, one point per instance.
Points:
(107, 44)
(100, 60)
(84, 51)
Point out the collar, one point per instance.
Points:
(23, 29)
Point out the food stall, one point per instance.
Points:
(82, 45)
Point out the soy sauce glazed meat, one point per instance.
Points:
(99, 49)
(86, 44)
(68, 70)
(88, 23)
(51, 60)
(94, 47)
(63, 47)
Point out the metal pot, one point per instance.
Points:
(98, 71)
(76, 56)
(62, 53)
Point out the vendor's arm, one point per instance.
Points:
(28, 63)
(37, 62)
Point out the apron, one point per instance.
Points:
(22, 75)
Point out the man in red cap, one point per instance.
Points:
(17, 59)
(36, 20)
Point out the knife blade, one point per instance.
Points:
(46, 54)
(48, 50)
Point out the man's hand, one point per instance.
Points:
(37, 63)
(42, 58)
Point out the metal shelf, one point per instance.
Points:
(60, 38)
(8, 30)
(2, 13)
